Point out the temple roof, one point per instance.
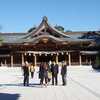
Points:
(43, 31)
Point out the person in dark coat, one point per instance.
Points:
(45, 73)
(64, 73)
(41, 70)
(26, 74)
(54, 71)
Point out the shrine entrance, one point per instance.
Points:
(45, 58)
(37, 58)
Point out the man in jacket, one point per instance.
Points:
(26, 74)
(54, 71)
(64, 72)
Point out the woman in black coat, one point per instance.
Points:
(43, 73)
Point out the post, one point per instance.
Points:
(80, 59)
(11, 60)
(35, 60)
(57, 58)
(66, 55)
(90, 62)
(86, 60)
(69, 58)
(22, 58)
(5, 63)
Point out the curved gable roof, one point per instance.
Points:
(44, 26)
(42, 31)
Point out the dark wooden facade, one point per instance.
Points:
(44, 44)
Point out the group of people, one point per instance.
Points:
(47, 72)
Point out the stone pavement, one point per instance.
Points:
(83, 83)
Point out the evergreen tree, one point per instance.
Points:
(59, 28)
(31, 29)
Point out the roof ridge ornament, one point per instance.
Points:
(45, 18)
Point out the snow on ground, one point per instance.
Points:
(83, 83)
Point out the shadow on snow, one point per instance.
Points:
(6, 96)
(37, 85)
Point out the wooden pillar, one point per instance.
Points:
(80, 59)
(90, 62)
(57, 58)
(86, 60)
(69, 58)
(35, 60)
(22, 58)
(11, 60)
(5, 62)
(66, 55)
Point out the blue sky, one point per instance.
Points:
(75, 15)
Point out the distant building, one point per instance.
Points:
(45, 43)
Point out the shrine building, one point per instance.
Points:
(45, 43)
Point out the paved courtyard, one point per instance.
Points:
(83, 83)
